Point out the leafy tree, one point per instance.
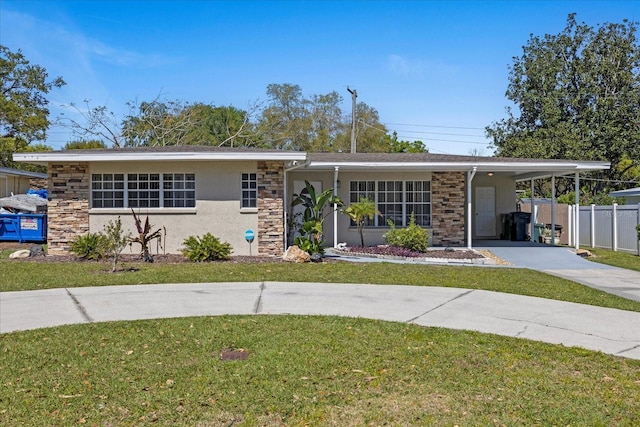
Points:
(360, 212)
(84, 144)
(285, 123)
(576, 95)
(23, 103)
(292, 121)
(400, 146)
(218, 126)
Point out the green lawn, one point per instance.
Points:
(20, 275)
(305, 371)
(617, 259)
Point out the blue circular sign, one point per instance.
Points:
(249, 235)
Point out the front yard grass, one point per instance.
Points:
(617, 259)
(18, 275)
(305, 371)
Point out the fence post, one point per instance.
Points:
(592, 222)
(570, 225)
(614, 227)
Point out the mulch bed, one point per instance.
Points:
(178, 259)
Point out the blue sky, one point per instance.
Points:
(435, 70)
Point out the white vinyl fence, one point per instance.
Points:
(611, 227)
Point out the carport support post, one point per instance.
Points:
(532, 218)
(553, 209)
(576, 221)
(470, 176)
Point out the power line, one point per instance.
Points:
(434, 126)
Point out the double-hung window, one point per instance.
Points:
(395, 200)
(143, 190)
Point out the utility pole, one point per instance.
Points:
(354, 95)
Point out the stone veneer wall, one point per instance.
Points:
(270, 208)
(447, 208)
(68, 213)
(38, 183)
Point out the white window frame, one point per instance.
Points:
(386, 197)
(159, 190)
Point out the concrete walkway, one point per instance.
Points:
(563, 262)
(611, 331)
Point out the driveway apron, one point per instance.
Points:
(563, 262)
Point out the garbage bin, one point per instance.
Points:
(519, 222)
(538, 232)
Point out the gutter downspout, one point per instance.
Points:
(285, 201)
(470, 176)
(335, 206)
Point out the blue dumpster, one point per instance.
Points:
(23, 228)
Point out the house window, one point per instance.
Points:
(249, 185)
(143, 190)
(107, 190)
(396, 201)
(418, 201)
(179, 190)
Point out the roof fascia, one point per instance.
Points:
(47, 157)
(544, 167)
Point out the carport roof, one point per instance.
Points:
(518, 168)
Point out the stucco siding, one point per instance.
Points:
(217, 208)
(221, 218)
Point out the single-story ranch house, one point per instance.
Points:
(192, 190)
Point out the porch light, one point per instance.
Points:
(490, 173)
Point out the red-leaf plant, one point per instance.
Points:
(145, 237)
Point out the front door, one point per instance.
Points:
(485, 212)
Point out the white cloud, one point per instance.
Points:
(405, 67)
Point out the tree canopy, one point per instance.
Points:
(288, 120)
(24, 116)
(576, 95)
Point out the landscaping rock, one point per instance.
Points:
(295, 254)
(22, 253)
(316, 257)
(36, 250)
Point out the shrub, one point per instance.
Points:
(413, 237)
(89, 246)
(115, 240)
(206, 248)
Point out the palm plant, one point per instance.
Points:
(359, 212)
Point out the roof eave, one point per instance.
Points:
(48, 157)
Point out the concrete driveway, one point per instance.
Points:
(611, 331)
(563, 262)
